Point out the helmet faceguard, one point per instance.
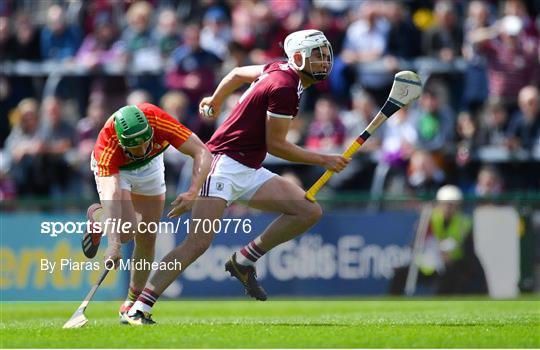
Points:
(133, 131)
(315, 49)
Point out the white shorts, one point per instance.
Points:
(148, 180)
(231, 180)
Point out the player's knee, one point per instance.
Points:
(311, 213)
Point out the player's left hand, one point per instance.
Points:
(181, 204)
(335, 162)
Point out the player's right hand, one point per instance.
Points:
(181, 204)
(209, 101)
(335, 162)
(113, 256)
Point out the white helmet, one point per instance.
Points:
(449, 193)
(304, 41)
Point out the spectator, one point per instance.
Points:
(445, 39)
(87, 131)
(137, 40)
(87, 11)
(58, 137)
(57, 133)
(23, 45)
(518, 8)
(333, 27)
(355, 121)
(25, 149)
(494, 122)
(443, 42)
(466, 137)
(524, 128)
(281, 18)
(489, 182)
(357, 174)
(357, 52)
(512, 59)
(404, 38)
(59, 40)
(193, 68)
(424, 175)
(434, 122)
(237, 56)
(6, 40)
(216, 32)
(27, 45)
(166, 34)
(475, 83)
(399, 137)
(138, 96)
(88, 127)
(142, 50)
(176, 104)
(326, 133)
(100, 47)
(247, 17)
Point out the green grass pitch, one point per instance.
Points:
(282, 323)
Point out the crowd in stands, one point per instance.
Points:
(476, 125)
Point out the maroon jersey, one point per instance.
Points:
(275, 93)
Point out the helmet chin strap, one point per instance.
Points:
(148, 150)
(301, 69)
(319, 77)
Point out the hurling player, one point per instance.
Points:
(127, 162)
(256, 126)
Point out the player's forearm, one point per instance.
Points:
(112, 212)
(111, 200)
(296, 154)
(201, 167)
(230, 83)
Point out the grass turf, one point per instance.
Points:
(290, 324)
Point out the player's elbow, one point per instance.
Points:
(206, 159)
(237, 76)
(234, 76)
(202, 156)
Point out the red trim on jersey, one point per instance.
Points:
(167, 130)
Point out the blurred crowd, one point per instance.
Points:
(476, 125)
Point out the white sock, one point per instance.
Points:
(250, 253)
(98, 215)
(242, 260)
(139, 305)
